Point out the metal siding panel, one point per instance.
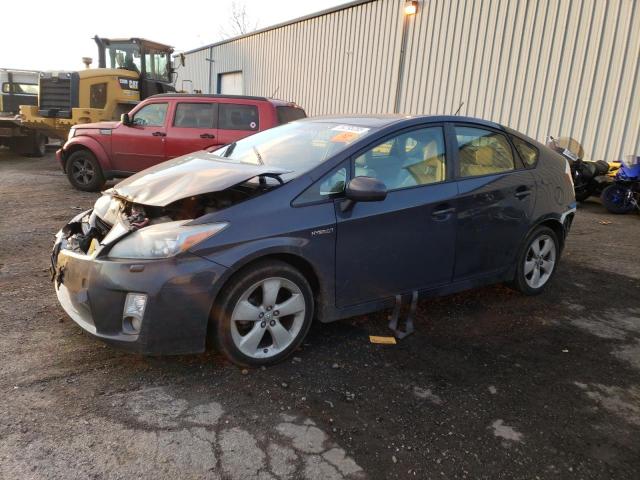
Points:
(561, 67)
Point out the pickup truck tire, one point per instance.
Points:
(84, 172)
(32, 145)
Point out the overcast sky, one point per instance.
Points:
(56, 34)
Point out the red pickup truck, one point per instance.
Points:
(163, 127)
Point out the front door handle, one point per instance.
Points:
(207, 135)
(159, 134)
(522, 192)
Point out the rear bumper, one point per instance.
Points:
(180, 293)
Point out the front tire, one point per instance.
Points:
(615, 199)
(537, 262)
(263, 315)
(84, 172)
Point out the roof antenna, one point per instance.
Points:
(275, 91)
(458, 110)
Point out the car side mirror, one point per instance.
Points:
(124, 118)
(363, 189)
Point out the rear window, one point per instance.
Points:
(289, 114)
(233, 116)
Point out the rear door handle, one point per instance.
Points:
(207, 135)
(522, 192)
(159, 134)
(443, 212)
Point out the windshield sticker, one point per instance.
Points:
(345, 137)
(350, 128)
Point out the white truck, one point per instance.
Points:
(19, 87)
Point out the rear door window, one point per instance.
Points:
(289, 114)
(483, 152)
(233, 116)
(195, 115)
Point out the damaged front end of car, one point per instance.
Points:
(125, 264)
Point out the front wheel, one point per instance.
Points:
(537, 262)
(618, 199)
(264, 314)
(84, 172)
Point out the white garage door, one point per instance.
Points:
(231, 83)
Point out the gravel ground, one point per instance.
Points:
(492, 385)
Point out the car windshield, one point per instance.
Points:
(296, 146)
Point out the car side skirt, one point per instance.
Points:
(328, 314)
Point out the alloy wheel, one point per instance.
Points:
(82, 171)
(539, 261)
(268, 317)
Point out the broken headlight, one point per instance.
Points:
(164, 240)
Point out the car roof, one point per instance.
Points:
(274, 101)
(380, 121)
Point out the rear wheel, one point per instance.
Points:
(616, 199)
(84, 172)
(38, 145)
(264, 314)
(537, 262)
(583, 193)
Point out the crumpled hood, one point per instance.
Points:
(193, 174)
(100, 125)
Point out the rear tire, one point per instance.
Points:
(614, 199)
(263, 314)
(583, 194)
(84, 172)
(39, 145)
(537, 262)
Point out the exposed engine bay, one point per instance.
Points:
(86, 232)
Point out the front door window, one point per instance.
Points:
(151, 115)
(407, 160)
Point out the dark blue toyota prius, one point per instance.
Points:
(319, 218)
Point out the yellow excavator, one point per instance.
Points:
(129, 70)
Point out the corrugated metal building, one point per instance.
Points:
(560, 67)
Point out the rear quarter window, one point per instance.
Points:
(528, 153)
(289, 114)
(232, 116)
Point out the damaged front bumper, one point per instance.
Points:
(179, 296)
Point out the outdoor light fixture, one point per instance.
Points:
(410, 7)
